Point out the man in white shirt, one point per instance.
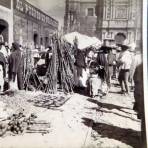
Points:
(124, 60)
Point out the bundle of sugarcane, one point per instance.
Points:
(60, 67)
(31, 80)
(65, 67)
(68, 56)
(51, 73)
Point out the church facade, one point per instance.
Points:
(115, 19)
(119, 19)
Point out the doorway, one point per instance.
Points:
(46, 42)
(3, 31)
(35, 39)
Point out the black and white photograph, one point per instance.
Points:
(73, 74)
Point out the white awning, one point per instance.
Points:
(84, 41)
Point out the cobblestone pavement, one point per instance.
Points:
(84, 122)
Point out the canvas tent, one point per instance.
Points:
(83, 40)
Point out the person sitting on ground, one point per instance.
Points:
(93, 82)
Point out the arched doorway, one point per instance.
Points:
(35, 39)
(46, 42)
(120, 38)
(41, 41)
(4, 30)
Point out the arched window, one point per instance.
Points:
(3, 31)
(120, 38)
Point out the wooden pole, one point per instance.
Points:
(55, 67)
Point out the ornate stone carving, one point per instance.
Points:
(121, 12)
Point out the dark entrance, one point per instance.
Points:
(41, 41)
(46, 42)
(120, 38)
(4, 30)
(35, 39)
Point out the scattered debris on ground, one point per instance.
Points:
(84, 121)
(25, 100)
(19, 124)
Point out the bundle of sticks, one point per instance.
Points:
(30, 76)
(61, 68)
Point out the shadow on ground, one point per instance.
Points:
(81, 90)
(110, 107)
(127, 136)
(107, 105)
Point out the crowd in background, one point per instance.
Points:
(107, 63)
(95, 69)
(11, 61)
(123, 62)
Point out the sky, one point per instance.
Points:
(54, 8)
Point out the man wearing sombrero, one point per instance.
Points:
(124, 61)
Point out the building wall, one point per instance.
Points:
(119, 16)
(76, 18)
(6, 16)
(21, 21)
(87, 23)
(30, 21)
(6, 3)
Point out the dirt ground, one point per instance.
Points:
(81, 122)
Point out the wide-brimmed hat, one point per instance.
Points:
(124, 46)
(105, 49)
(16, 46)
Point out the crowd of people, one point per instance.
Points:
(123, 63)
(97, 67)
(94, 69)
(11, 61)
